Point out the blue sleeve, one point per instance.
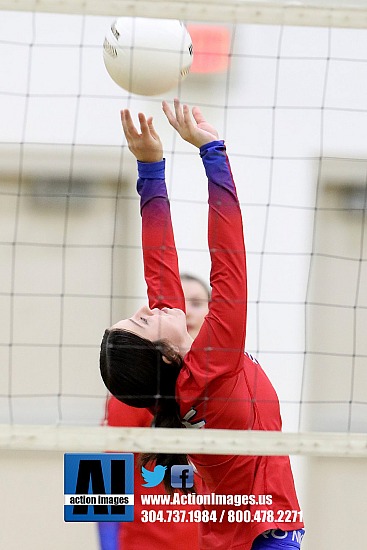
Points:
(151, 181)
(108, 535)
(159, 250)
(217, 167)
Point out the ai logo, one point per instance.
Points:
(99, 487)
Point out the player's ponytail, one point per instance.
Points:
(143, 374)
(166, 416)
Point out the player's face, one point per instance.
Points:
(196, 299)
(159, 324)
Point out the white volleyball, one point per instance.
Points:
(147, 56)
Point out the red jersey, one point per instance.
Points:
(219, 386)
(137, 535)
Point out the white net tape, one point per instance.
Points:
(82, 439)
(307, 13)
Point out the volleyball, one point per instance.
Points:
(147, 56)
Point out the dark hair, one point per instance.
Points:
(189, 277)
(134, 371)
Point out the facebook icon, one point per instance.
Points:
(182, 476)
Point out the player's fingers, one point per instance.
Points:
(143, 124)
(187, 117)
(152, 131)
(166, 109)
(178, 111)
(123, 122)
(130, 131)
(150, 124)
(198, 116)
(170, 116)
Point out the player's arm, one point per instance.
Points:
(228, 307)
(224, 326)
(159, 251)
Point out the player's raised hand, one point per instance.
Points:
(192, 127)
(146, 144)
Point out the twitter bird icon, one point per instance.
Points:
(153, 478)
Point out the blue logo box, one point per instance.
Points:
(99, 487)
(182, 477)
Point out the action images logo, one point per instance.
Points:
(99, 487)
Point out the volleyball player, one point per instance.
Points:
(155, 536)
(149, 360)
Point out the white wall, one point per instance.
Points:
(31, 504)
(73, 254)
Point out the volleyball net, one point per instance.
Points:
(285, 85)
